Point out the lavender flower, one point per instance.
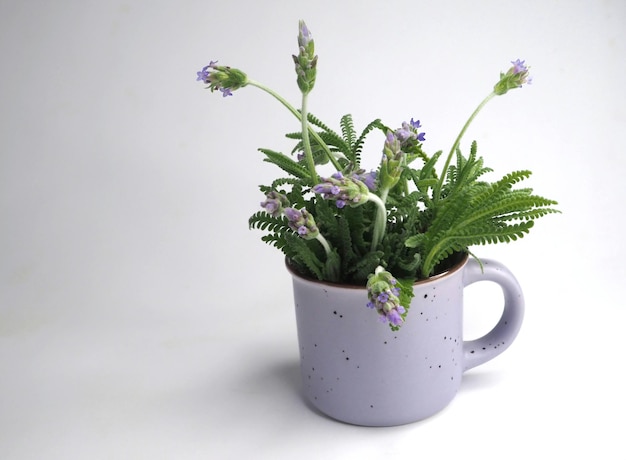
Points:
(275, 203)
(306, 60)
(515, 77)
(343, 190)
(222, 78)
(203, 75)
(369, 179)
(406, 139)
(393, 146)
(393, 162)
(409, 132)
(383, 295)
(302, 222)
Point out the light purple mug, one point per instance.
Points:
(357, 370)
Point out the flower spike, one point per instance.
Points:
(343, 190)
(275, 203)
(302, 222)
(222, 78)
(383, 292)
(306, 60)
(398, 143)
(515, 77)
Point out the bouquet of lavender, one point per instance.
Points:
(386, 228)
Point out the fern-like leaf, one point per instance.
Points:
(261, 220)
(357, 146)
(366, 266)
(285, 163)
(301, 254)
(347, 130)
(317, 122)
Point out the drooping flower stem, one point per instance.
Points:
(308, 153)
(277, 96)
(381, 220)
(455, 146)
(324, 242)
(298, 115)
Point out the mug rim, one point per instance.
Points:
(449, 272)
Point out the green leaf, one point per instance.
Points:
(302, 255)
(347, 130)
(285, 163)
(411, 266)
(357, 146)
(366, 265)
(415, 241)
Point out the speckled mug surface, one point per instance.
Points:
(357, 370)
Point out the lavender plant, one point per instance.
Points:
(385, 228)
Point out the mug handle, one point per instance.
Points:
(487, 347)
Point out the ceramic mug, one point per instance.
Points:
(357, 370)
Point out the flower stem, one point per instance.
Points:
(324, 242)
(384, 193)
(298, 115)
(455, 146)
(308, 153)
(380, 222)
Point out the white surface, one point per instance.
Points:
(139, 318)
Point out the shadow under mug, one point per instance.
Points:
(357, 370)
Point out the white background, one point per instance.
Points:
(140, 318)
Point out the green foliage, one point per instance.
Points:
(422, 231)
(285, 163)
(472, 212)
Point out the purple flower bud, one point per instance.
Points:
(408, 132)
(293, 214)
(404, 134)
(270, 207)
(393, 146)
(369, 179)
(394, 318)
(304, 35)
